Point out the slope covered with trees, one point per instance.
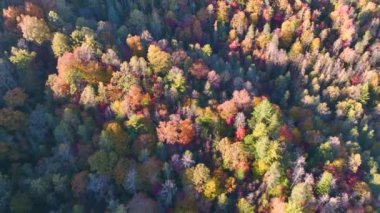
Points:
(190, 106)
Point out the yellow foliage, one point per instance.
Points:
(212, 189)
(158, 59)
(260, 167)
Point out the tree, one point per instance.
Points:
(22, 58)
(88, 98)
(176, 130)
(142, 203)
(212, 189)
(233, 155)
(222, 11)
(243, 206)
(199, 70)
(242, 99)
(158, 59)
(113, 136)
(254, 8)
(134, 43)
(135, 100)
(355, 162)
(324, 185)
(7, 80)
(5, 192)
(60, 44)
(33, 10)
(227, 109)
(200, 176)
(288, 28)
(214, 79)
(10, 15)
(12, 120)
(301, 198)
(15, 97)
(239, 22)
(34, 29)
(168, 192)
(20, 203)
(177, 80)
(137, 21)
(102, 161)
(273, 175)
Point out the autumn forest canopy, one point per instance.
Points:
(161, 106)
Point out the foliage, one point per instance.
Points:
(158, 59)
(22, 58)
(189, 106)
(34, 29)
(15, 97)
(176, 131)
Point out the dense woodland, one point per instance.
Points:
(190, 106)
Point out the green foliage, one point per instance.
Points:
(324, 184)
(102, 161)
(60, 44)
(262, 112)
(22, 58)
(243, 206)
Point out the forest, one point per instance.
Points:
(182, 106)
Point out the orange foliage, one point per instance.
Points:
(10, 15)
(79, 64)
(134, 43)
(176, 131)
(136, 99)
(227, 109)
(233, 154)
(59, 87)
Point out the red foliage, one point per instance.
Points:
(199, 70)
(230, 119)
(286, 133)
(82, 60)
(352, 179)
(356, 79)
(234, 45)
(234, 5)
(240, 133)
(33, 10)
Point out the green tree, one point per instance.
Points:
(324, 185)
(22, 58)
(60, 44)
(102, 161)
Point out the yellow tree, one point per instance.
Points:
(158, 59)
